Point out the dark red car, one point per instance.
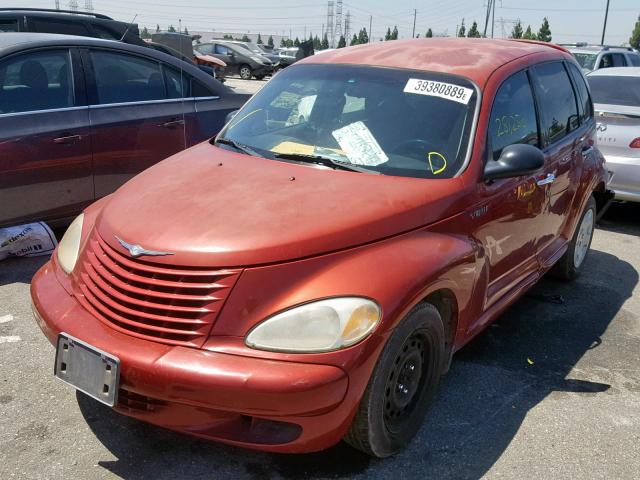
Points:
(307, 277)
(80, 116)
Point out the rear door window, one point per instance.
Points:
(36, 81)
(513, 116)
(634, 59)
(583, 93)
(123, 78)
(606, 61)
(619, 60)
(62, 27)
(556, 99)
(222, 50)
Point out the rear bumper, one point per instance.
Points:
(252, 402)
(625, 177)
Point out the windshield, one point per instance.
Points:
(612, 90)
(394, 122)
(586, 60)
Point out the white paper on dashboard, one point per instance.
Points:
(360, 145)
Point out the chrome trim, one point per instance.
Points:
(143, 102)
(50, 110)
(138, 251)
(472, 132)
(213, 97)
(606, 114)
(550, 178)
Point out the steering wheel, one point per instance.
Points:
(417, 145)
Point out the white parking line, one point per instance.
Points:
(6, 318)
(10, 339)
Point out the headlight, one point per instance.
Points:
(317, 327)
(70, 245)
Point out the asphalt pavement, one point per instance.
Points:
(552, 390)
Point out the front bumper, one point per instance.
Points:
(625, 177)
(253, 402)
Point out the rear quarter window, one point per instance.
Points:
(584, 99)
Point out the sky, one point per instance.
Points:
(570, 20)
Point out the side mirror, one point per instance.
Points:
(230, 116)
(516, 160)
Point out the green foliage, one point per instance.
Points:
(325, 42)
(429, 34)
(394, 33)
(145, 33)
(387, 36)
(528, 34)
(634, 40)
(317, 44)
(473, 31)
(270, 41)
(171, 29)
(259, 41)
(296, 42)
(354, 40)
(186, 32)
(342, 42)
(517, 30)
(157, 28)
(544, 34)
(463, 30)
(363, 36)
(245, 38)
(227, 37)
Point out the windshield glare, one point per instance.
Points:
(586, 60)
(395, 122)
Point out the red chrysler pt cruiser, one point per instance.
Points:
(306, 276)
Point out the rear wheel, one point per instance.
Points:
(245, 72)
(401, 386)
(570, 265)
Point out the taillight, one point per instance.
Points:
(635, 143)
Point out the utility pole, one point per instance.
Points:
(179, 25)
(370, 32)
(88, 5)
(330, 24)
(347, 26)
(486, 20)
(493, 17)
(604, 27)
(413, 34)
(57, 4)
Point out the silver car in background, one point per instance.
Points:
(616, 98)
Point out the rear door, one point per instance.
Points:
(137, 118)
(45, 154)
(563, 142)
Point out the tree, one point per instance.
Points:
(342, 42)
(157, 28)
(227, 37)
(296, 42)
(387, 36)
(473, 31)
(245, 38)
(283, 42)
(463, 29)
(171, 29)
(363, 36)
(325, 42)
(429, 34)
(394, 34)
(145, 33)
(270, 41)
(528, 34)
(186, 32)
(517, 30)
(544, 34)
(354, 40)
(259, 41)
(634, 40)
(317, 44)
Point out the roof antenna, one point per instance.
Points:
(128, 27)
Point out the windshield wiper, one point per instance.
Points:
(326, 161)
(238, 146)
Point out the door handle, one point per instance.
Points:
(550, 178)
(68, 139)
(172, 123)
(587, 150)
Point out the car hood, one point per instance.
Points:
(213, 207)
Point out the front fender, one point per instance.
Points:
(397, 273)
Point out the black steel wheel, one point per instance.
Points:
(402, 385)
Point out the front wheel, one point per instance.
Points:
(401, 386)
(245, 72)
(570, 265)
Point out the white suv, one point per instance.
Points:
(593, 57)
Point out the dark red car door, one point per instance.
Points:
(45, 153)
(137, 115)
(560, 125)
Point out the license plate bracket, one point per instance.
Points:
(88, 369)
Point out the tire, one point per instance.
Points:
(402, 385)
(260, 77)
(572, 262)
(245, 72)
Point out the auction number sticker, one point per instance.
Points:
(444, 90)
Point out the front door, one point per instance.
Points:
(510, 216)
(137, 116)
(45, 153)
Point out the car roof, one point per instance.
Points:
(474, 58)
(43, 12)
(616, 72)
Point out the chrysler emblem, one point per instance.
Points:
(138, 251)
